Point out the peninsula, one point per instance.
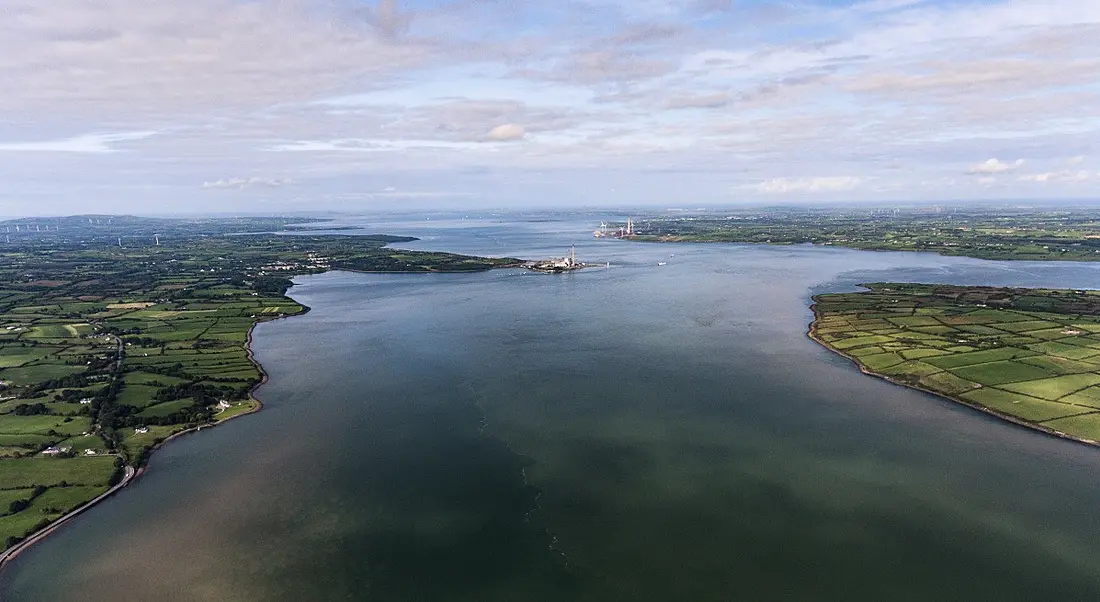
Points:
(118, 333)
(1031, 356)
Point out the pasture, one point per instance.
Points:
(1041, 367)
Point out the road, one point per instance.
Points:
(8, 555)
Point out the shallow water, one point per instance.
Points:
(632, 433)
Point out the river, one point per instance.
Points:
(639, 432)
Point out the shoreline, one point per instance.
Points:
(812, 334)
(131, 472)
(10, 554)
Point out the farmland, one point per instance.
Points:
(1029, 355)
(117, 332)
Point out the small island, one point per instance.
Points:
(558, 265)
(1031, 356)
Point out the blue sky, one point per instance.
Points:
(297, 105)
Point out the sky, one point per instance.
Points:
(130, 106)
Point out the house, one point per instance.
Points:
(89, 452)
(224, 405)
(85, 401)
(141, 430)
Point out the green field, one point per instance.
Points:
(37, 372)
(11, 424)
(138, 395)
(28, 472)
(165, 409)
(1023, 353)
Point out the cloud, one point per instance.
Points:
(240, 183)
(995, 166)
(1063, 176)
(388, 19)
(812, 185)
(506, 133)
(86, 143)
(131, 58)
(901, 97)
(601, 67)
(699, 101)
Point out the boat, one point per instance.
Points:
(662, 263)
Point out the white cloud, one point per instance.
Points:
(699, 101)
(507, 132)
(119, 57)
(899, 96)
(995, 166)
(1063, 176)
(87, 143)
(247, 182)
(813, 185)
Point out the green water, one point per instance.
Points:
(638, 433)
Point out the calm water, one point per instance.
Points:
(632, 433)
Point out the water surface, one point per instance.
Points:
(632, 433)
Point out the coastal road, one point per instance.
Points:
(8, 555)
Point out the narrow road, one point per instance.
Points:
(8, 555)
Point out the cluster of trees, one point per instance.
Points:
(275, 285)
(176, 370)
(72, 395)
(65, 382)
(107, 413)
(22, 504)
(30, 409)
(203, 394)
(122, 331)
(143, 341)
(194, 414)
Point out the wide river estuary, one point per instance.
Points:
(638, 432)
